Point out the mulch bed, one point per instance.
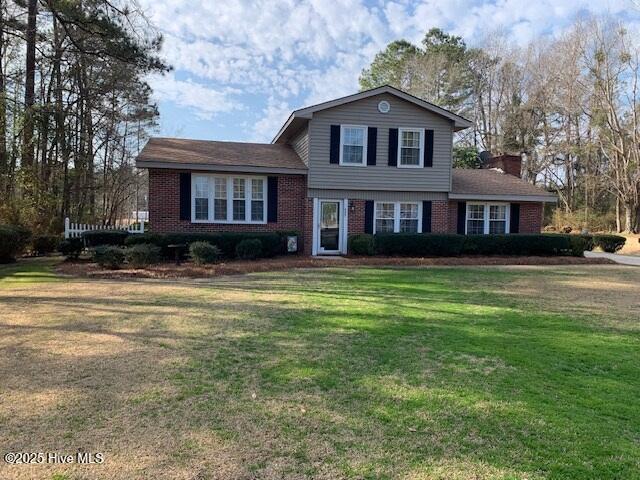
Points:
(190, 270)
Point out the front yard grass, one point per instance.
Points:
(453, 373)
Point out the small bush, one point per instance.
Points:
(203, 253)
(108, 256)
(609, 243)
(419, 244)
(9, 244)
(362, 244)
(94, 238)
(141, 255)
(71, 247)
(44, 244)
(249, 249)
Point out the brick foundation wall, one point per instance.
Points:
(164, 206)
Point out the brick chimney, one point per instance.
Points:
(511, 164)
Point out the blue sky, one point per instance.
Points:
(240, 67)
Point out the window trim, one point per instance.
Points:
(486, 220)
(365, 140)
(229, 183)
(396, 214)
(421, 157)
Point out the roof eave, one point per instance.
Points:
(219, 168)
(545, 198)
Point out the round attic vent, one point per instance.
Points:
(384, 107)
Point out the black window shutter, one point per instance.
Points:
(514, 222)
(462, 216)
(334, 150)
(426, 216)
(428, 148)
(393, 147)
(185, 196)
(272, 199)
(368, 216)
(372, 144)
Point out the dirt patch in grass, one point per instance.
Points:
(191, 270)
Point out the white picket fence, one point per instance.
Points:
(72, 229)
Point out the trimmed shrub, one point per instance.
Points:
(249, 249)
(94, 238)
(141, 255)
(203, 253)
(361, 244)
(108, 256)
(419, 244)
(44, 244)
(609, 243)
(449, 245)
(9, 244)
(71, 247)
(272, 243)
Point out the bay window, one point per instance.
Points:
(228, 199)
(410, 148)
(394, 217)
(487, 218)
(353, 145)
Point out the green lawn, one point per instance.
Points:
(469, 373)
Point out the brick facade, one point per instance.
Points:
(530, 217)
(164, 206)
(295, 211)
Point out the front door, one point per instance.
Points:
(330, 239)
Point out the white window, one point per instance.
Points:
(220, 199)
(257, 200)
(409, 217)
(487, 218)
(497, 219)
(385, 214)
(410, 147)
(475, 219)
(239, 199)
(394, 217)
(201, 201)
(353, 145)
(228, 199)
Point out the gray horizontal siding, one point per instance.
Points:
(375, 195)
(322, 174)
(300, 144)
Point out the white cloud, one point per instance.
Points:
(273, 117)
(269, 55)
(205, 102)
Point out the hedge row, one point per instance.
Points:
(271, 244)
(13, 241)
(451, 245)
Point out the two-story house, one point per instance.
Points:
(377, 161)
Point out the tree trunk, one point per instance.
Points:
(29, 86)
(4, 158)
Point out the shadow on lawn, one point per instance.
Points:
(381, 373)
